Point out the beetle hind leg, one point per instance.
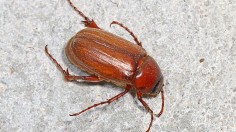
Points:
(87, 22)
(64, 72)
(90, 23)
(67, 75)
(130, 32)
(127, 89)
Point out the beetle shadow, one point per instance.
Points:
(68, 65)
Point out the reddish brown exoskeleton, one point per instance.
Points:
(110, 58)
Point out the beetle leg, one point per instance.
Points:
(162, 105)
(139, 94)
(69, 77)
(64, 72)
(127, 89)
(130, 32)
(90, 23)
(87, 22)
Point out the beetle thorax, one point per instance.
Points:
(148, 79)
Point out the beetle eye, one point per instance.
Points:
(155, 87)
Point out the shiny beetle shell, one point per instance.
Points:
(114, 59)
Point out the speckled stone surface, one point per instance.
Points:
(200, 97)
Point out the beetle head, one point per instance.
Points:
(149, 79)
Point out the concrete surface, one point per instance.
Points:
(200, 97)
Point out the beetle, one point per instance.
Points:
(110, 58)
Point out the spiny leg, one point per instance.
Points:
(139, 94)
(87, 22)
(131, 33)
(162, 105)
(69, 77)
(127, 89)
(64, 72)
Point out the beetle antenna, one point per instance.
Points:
(162, 104)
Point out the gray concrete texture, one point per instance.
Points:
(200, 97)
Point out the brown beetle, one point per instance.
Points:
(110, 58)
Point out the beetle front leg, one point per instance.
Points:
(87, 22)
(130, 32)
(67, 75)
(139, 94)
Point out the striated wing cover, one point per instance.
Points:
(105, 55)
